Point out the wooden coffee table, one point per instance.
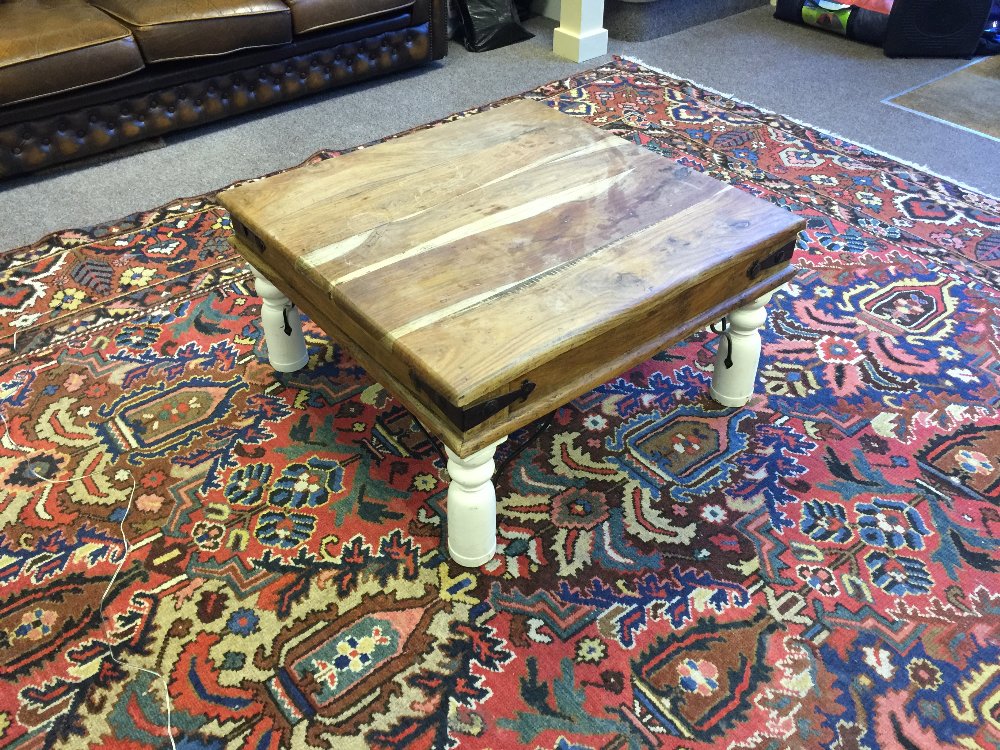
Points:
(490, 269)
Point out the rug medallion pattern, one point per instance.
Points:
(819, 569)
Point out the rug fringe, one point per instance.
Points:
(833, 134)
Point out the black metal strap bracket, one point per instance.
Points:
(470, 416)
(250, 238)
(724, 332)
(778, 257)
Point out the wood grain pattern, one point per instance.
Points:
(518, 241)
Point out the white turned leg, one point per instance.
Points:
(581, 34)
(286, 347)
(472, 507)
(733, 385)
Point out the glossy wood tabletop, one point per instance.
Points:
(478, 250)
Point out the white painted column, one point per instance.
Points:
(581, 34)
(286, 347)
(733, 385)
(472, 507)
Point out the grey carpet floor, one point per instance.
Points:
(815, 77)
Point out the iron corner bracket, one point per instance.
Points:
(470, 416)
(777, 258)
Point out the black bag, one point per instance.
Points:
(489, 24)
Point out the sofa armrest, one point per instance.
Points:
(435, 13)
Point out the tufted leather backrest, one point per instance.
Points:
(51, 46)
(45, 121)
(312, 15)
(183, 29)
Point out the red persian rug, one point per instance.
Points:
(820, 569)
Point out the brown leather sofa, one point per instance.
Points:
(78, 77)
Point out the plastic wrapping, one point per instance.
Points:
(489, 24)
(851, 20)
(867, 26)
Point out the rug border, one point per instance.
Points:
(211, 194)
(823, 131)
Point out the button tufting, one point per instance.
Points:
(228, 92)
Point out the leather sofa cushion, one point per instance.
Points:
(51, 46)
(312, 15)
(182, 29)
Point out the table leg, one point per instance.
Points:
(472, 507)
(738, 354)
(286, 347)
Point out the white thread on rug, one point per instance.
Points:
(822, 131)
(8, 439)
